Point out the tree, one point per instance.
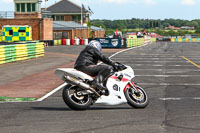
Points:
(132, 25)
(100, 25)
(197, 30)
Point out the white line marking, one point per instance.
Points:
(166, 99)
(149, 69)
(166, 55)
(156, 65)
(161, 61)
(170, 70)
(176, 72)
(167, 75)
(178, 99)
(145, 64)
(153, 58)
(179, 65)
(127, 50)
(150, 64)
(52, 92)
(168, 84)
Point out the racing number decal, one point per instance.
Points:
(116, 88)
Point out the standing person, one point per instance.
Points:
(87, 63)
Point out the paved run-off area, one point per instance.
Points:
(172, 82)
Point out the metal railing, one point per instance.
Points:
(46, 14)
(6, 14)
(11, 14)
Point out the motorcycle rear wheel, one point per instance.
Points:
(140, 100)
(75, 101)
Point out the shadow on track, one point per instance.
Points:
(68, 109)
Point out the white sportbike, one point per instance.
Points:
(79, 95)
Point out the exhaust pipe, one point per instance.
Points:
(80, 84)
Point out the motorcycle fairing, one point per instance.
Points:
(61, 72)
(116, 96)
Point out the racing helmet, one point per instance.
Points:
(96, 44)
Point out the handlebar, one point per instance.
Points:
(119, 67)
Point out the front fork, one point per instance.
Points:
(133, 86)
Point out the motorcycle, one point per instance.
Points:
(79, 95)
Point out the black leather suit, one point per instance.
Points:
(87, 63)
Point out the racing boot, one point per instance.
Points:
(96, 85)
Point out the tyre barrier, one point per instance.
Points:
(66, 42)
(81, 41)
(17, 52)
(77, 41)
(57, 42)
(72, 42)
(86, 42)
(185, 39)
(63, 41)
(153, 39)
(134, 42)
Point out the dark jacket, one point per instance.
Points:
(91, 56)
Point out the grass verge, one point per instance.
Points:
(15, 99)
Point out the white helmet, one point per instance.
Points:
(96, 44)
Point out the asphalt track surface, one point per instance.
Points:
(171, 81)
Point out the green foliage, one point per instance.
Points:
(6, 99)
(89, 25)
(109, 31)
(100, 25)
(197, 30)
(133, 25)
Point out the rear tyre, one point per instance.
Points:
(140, 100)
(73, 98)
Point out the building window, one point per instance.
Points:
(28, 7)
(18, 7)
(53, 17)
(76, 18)
(58, 18)
(25, 7)
(22, 7)
(33, 7)
(62, 18)
(57, 35)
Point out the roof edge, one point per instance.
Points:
(69, 2)
(54, 4)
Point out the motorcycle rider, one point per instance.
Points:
(87, 63)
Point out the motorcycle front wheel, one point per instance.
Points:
(72, 96)
(137, 100)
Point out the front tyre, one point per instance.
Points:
(73, 98)
(136, 100)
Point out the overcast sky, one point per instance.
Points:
(127, 9)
